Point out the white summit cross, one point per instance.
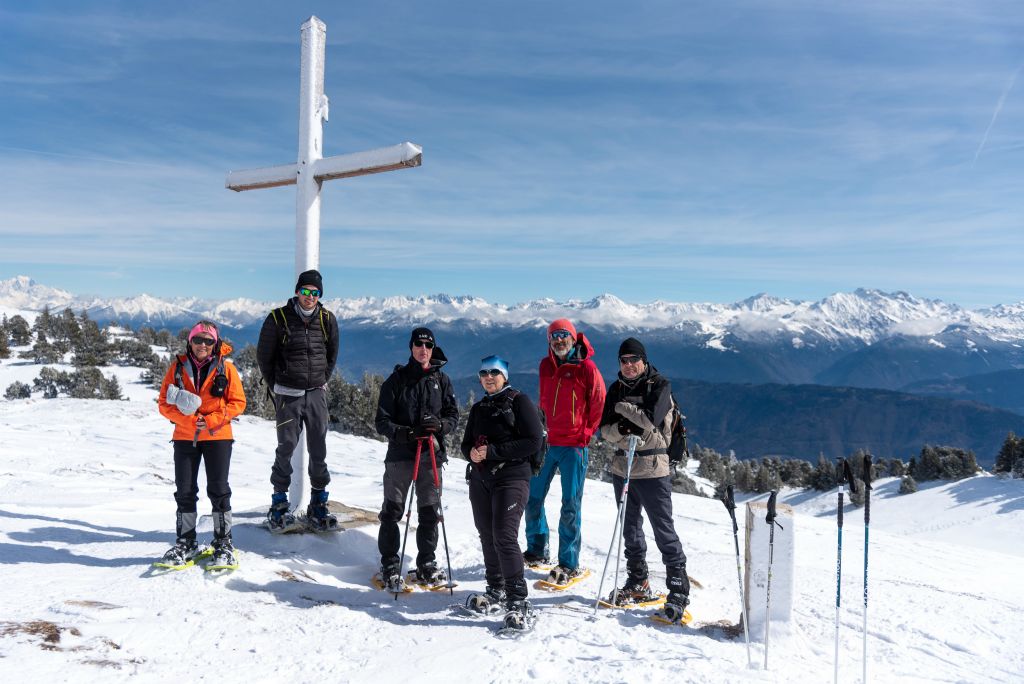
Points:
(308, 174)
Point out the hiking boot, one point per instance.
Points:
(635, 590)
(520, 615)
(183, 551)
(675, 607)
(391, 578)
(533, 559)
(316, 512)
(489, 602)
(278, 516)
(431, 574)
(561, 575)
(223, 552)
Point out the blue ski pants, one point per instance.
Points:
(571, 463)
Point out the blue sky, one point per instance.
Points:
(702, 151)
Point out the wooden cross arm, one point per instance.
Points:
(400, 156)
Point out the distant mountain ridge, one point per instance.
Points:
(865, 338)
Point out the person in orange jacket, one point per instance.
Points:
(201, 393)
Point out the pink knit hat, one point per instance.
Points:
(562, 324)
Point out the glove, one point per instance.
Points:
(429, 425)
(627, 427)
(187, 402)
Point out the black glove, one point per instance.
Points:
(429, 425)
(627, 427)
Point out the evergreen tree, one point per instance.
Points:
(5, 349)
(18, 390)
(929, 466)
(51, 382)
(42, 351)
(823, 476)
(908, 485)
(896, 468)
(766, 479)
(90, 344)
(1012, 449)
(43, 323)
(796, 472)
(110, 388)
(19, 331)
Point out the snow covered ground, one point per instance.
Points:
(86, 505)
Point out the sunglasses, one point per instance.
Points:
(490, 372)
(306, 292)
(206, 341)
(421, 343)
(561, 335)
(626, 360)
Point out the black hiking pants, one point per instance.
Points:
(397, 480)
(294, 413)
(498, 507)
(653, 496)
(216, 456)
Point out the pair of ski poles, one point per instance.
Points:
(847, 475)
(440, 509)
(730, 504)
(620, 521)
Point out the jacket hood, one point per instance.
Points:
(583, 351)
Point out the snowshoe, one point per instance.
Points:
(536, 561)
(430, 577)
(279, 519)
(182, 555)
(674, 612)
(519, 619)
(389, 580)
(561, 578)
(318, 519)
(487, 603)
(635, 593)
(224, 556)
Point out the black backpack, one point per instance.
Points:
(536, 459)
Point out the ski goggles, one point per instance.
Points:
(561, 335)
(307, 292)
(423, 343)
(490, 373)
(204, 341)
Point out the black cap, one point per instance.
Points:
(631, 345)
(423, 335)
(310, 278)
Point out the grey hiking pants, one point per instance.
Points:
(308, 411)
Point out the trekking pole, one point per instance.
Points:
(770, 519)
(620, 521)
(843, 472)
(730, 505)
(867, 520)
(440, 516)
(408, 510)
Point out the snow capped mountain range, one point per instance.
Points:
(864, 316)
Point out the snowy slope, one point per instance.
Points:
(86, 504)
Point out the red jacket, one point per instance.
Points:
(218, 411)
(571, 396)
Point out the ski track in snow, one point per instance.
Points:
(86, 505)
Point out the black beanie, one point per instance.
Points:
(422, 334)
(310, 278)
(631, 345)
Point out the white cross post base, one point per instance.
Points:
(782, 571)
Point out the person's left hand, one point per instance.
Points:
(478, 454)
